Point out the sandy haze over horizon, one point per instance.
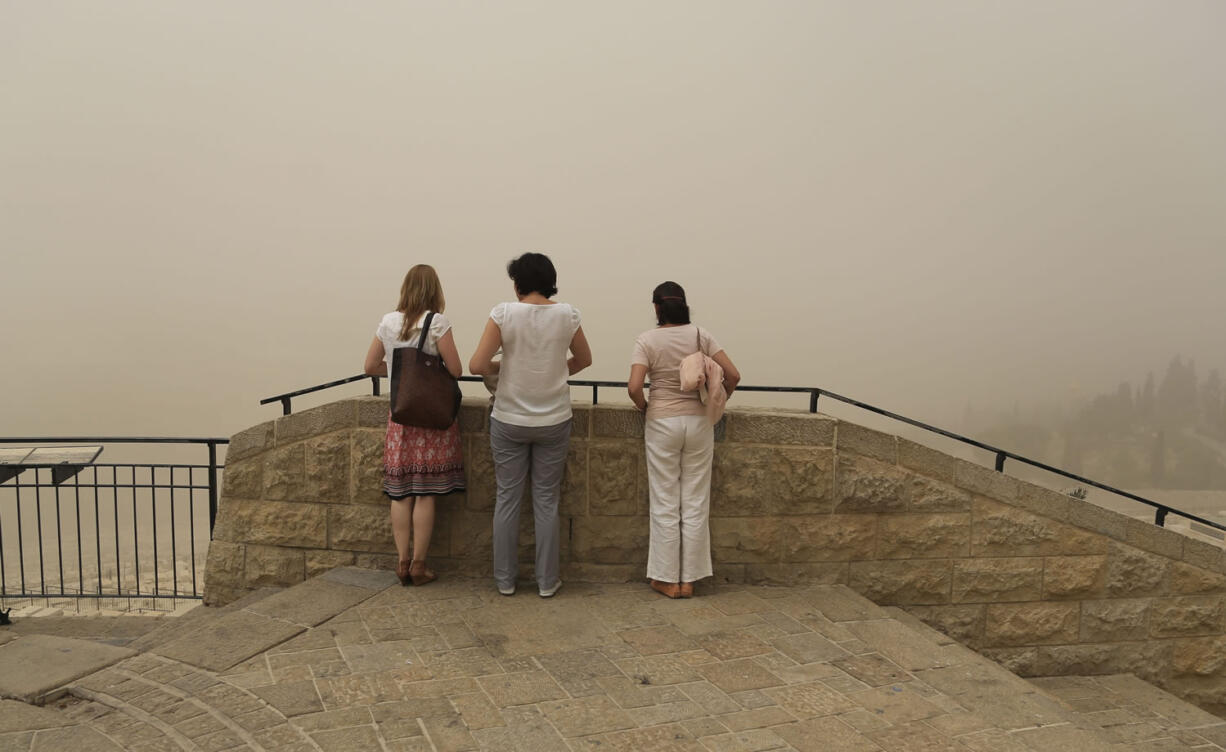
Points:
(919, 205)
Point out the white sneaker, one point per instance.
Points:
(506, 590)
(548, 592)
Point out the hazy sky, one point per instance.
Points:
(916, 204)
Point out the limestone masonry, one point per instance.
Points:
(1043, 583)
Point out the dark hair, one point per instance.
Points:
(533, 272)
(671, 307)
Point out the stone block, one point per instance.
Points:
(482, 487)
(927, 495)
(251, 442)
(474, 417)
(797, 573)
(1074, 576)
(243, 479)
(918, 582)
(273, 565)
(364, 482)
(581, 420)
(285, 473)
(609, 540)
(866, 442)
(1205, 555)
(1021, 661)
(472, 533)
(1149, 537)
(380, 562)
(578, 571)
(963, 623)
(997, 580)
(320, 561)
(327, 468)
(574, 501)
(317, 420)
(923, 536)
(359, 527)
(1115, 620)
(274, 523)
(1091, 517)
(753, 480)
(780, 427)
(224, 566)
(616, 477)
(827, 537)
(1189, 580)
(1004, 530)
(1011, 624)
(1132, 573)
(754, 540)
(985, 481)
(1186, 616)
(866, 485)
(1144, 659)
(926, 461)
(373, 411)
(1043, 501)
(616, 422)
(1200, 656)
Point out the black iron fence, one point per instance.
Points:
(106, 530)
(1001, 455)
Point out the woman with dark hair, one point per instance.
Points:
(418, 463)
(530, 420)
(680, 442)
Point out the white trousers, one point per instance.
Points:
(679, 454)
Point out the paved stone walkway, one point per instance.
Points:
(353, 661)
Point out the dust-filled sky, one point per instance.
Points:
(919, 205)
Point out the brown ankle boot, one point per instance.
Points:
(402, 571)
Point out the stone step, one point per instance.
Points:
(196, 619)
(1132, 712)
(229, 638)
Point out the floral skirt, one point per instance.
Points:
(422, 461)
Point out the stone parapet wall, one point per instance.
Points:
(1042, 582)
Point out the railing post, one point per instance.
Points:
(813, 395)
(1160, 517)
(285, 405)
(1000, 462)
(594, 398)
(212, 487)
(374, 386)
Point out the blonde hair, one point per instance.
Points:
(420, 292)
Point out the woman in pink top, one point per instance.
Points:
(680, 442)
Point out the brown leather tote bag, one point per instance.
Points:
(424, 393)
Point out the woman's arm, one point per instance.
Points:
(375, 365)
(732, 377)
(482, 361)
(581, 353)
(638, 375)
(451, 357)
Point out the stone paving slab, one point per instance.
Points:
(34, 665)
(455, 666)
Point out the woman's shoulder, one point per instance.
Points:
(391, 322)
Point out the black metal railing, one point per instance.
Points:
(1160, 510)
(107, 530)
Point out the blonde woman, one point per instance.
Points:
(680, 443)
(418, 463)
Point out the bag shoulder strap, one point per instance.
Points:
(698, 337)
(425, 328)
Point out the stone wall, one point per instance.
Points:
(1044, 583)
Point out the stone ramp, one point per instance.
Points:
(455, 666)
(1134, 713)
(193, 620)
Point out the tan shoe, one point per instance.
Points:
(686, 590)
(402, 571)
(420, 574)
(670, 589)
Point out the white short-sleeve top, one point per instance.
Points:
(532, 388)
(388, 333)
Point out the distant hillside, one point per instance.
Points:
(1170, 434)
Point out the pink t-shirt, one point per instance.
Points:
(661, 350)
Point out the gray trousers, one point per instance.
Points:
(518, 450)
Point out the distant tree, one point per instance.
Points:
(1211, 403)
(1145, 400)
(1077, 493)
(1157, 464)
